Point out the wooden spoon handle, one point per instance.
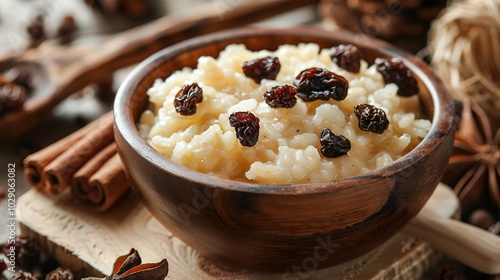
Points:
(134, 45)
(470, 245)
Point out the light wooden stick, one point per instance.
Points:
(470, 245)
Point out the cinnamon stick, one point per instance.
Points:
(35, 163)
(108, 184)
(79, 184)
(60, 170)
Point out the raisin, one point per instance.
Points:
(12, 97)
(262, 68)
(27, 251)
(186, 99)
(247, 127)
(60, 274)
(281, 96)
(66, 30)
(347, 57)
(395, 71)
(333, 145)
(371, 118)
(318, 83)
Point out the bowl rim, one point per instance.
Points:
(126, 126)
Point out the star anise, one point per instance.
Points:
(474, 166)
(129, 267)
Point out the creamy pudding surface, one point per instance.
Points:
(287, 148)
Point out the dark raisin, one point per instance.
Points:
(186, 99)
(22, 275)
(66, 30)
(347, 57)
(281, 96)
(247, 127)
(318, 83)
(371, 118)
(12, 97)
(395, 71)
(262, 68)
(26, 250)
(60, 274)
(36, 30)
(333, 145)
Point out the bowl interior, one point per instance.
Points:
(133, 100)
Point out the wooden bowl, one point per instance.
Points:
(271, 227)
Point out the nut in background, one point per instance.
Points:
(404, 23)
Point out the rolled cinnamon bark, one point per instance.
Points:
(108, 184)
(80, 186)
(60, 170)
(35, 163)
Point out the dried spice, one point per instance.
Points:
(281, 96)
(333, 145)
(3, 266)
(17, 76)
(347, 57)
(127, 8)
(319, 83)
(36, 31)
(129, 267)
(26, 250)
(262, 68)
(22, 275)
(371, 118)
(66, 30)
(395, 71)
(12, 97)
(186, 99)
(247, 127)
(450, 271)
(474, 166)
(481, 218)
(60, 274)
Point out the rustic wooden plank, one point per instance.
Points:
(88, 241)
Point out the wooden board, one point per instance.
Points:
(88, 242)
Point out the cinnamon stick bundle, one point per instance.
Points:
(96, 183)
(80, 185)
(61, 169)
(86, 161)
(35, 163)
